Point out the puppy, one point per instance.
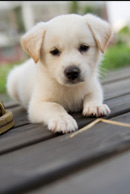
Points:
(62, 75)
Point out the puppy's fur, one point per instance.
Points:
(67, 43)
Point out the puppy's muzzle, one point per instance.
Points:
(72, 73)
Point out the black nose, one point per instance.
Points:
(72, 72)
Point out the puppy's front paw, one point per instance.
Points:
(96, 110)
(64, 124)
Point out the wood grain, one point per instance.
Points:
(46, 161)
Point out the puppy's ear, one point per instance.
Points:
(100, 29)
(32, 41)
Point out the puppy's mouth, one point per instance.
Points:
(74, 82)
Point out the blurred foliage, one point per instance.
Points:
(4, 70)
(89, 9)
(123, 36)
(74, 7)
(116, 56)
(94, 10)
(18, 15)
(125, 30)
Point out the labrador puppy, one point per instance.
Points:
(63, 73)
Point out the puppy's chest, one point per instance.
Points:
(71, 100)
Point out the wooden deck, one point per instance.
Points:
(97, 161)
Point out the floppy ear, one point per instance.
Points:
(100, 29)
(32, 41)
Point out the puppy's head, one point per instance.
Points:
(69, 46)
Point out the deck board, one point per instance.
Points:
(115, 75)
(111, 176)
(117, 88)
(24, 136)
(47, 160)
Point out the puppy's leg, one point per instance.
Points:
(53, 115)
(93, 103)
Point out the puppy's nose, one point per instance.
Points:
(72, 72)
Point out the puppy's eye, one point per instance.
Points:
(55, 52)
(83, 48)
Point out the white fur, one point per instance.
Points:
(43, 89)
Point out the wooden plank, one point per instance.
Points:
(10, 104)
(116, 75)
(24, 136)
(46, 161)
(111, 176)
(20, 116)
(116, 89)
(118, 105)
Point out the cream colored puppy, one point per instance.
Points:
(63, 72)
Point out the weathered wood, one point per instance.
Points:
(111, 176)
(24, 136)
(11, 104)
(115, 75)
(116, 89)
(20, 116)
(119, 105)
(45, 161)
